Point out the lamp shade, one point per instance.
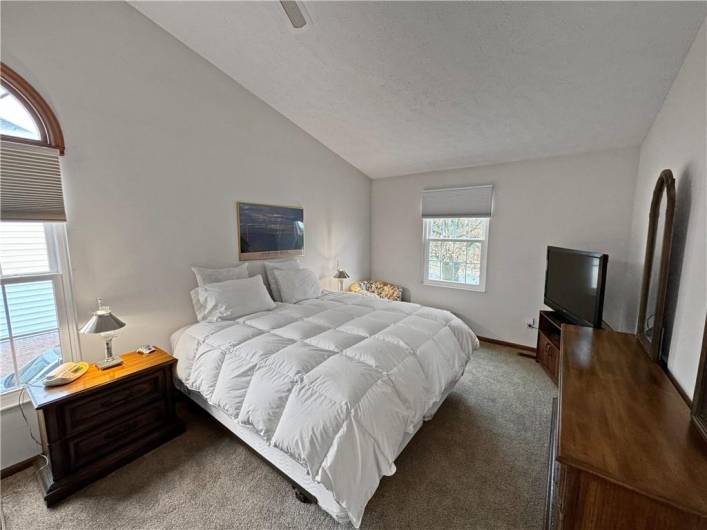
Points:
(341, 274)
(102, 321)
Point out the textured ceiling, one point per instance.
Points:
(397, 88)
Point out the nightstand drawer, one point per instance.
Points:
(87, 413)
(92, 446)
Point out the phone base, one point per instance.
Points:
(109, 363)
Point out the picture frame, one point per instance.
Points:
(267, 231)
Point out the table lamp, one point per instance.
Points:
(104, 323)
(341, 276)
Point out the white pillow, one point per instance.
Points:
(206, 276)
(231, 299)
(271, 267)
(297, 284)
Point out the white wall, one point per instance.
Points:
(581, 201)
(159, 146)
(676, 141)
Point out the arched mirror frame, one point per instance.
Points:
(41, 112)
(664, 187)
(699, 399)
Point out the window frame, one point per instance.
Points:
(426, 224)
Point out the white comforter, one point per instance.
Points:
(335, 382)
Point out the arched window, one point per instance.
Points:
(25, 117)
(37, 324)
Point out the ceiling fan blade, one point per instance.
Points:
(294, 13)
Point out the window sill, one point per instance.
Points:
(453, 285)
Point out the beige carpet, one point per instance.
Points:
(478, 464)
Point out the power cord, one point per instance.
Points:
(24, 417)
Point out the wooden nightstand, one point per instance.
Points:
(103, 420)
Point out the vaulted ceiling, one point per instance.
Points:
(397, 87)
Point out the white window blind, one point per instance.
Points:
(23, 249)
(472, 201)
(30, 184)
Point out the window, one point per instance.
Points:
(455, 252)
(455, 224)
(35, 314)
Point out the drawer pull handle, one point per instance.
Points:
(110, 435)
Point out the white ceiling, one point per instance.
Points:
(397, 88)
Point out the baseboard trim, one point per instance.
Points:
(507, 344)
(16, 468)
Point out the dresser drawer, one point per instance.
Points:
(84, 449)
(84, 414)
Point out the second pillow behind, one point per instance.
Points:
(297, 284)
(270, 268)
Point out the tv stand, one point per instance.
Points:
(549, 334)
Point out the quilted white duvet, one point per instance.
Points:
(335, 382)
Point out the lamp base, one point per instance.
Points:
(109, 363)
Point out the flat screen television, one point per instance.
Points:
(574, 284)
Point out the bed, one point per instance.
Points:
(328, 390)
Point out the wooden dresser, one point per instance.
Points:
(624, 454)
(103, 420)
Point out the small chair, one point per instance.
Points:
(381, 289)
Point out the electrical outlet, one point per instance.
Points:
(530, 322)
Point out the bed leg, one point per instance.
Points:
(301, 495)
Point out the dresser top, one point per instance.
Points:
(622, 419)
(94, 378)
